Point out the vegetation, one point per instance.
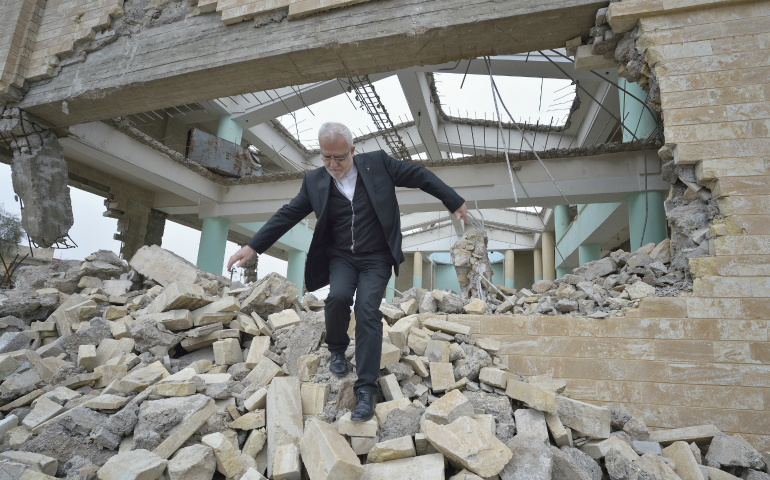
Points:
(11, 232)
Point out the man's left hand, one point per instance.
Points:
(462, 212)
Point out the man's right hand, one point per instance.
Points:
(241, 256)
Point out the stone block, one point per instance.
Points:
(381, 410)
(264, 373)
(7, 365)
(447, 327)
(531, 422)
(133, 465)
(348, 427)
(138, 380)
(180, 296)
(87, 357)
(254, 443)
(424, 467)
(486, 422)
(228, 352)
(487, 344)
(314, 398)
(257, 400)
(42, 463)
(410, 306)
(394, 449)
(258, 347)
(417, 365)
(228, 457)
(249, 421)
(284, 419)
(390, 355)
(531, 460)
(442, 376)
(227, 304)
(186, 429)
(119, 330)
(437, 351)
(180, 389)
(686, 466)
(465, 443)
(561, 435)
(598, 449)
(307, 365)
(172, 319)
(108, 373)
(286, 463)
(449, 408)
(391, 313)
(732, 451)
(533, 396)
(399, 331)
(327, 455)
(418, 340)
(494, 376)
(106, 402)
(196, 462)
(477, 306)
(701, 434)
(390, 388)
(8, 423)
(283, 319)
(362, 445)
(114, 312)
(587, 419)
(163, 266)
(44, 410)
(641, 447)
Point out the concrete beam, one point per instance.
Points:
(532, 65)
(211, 60)
(442, 238)
(504, 218)
(598, 124)
(278, 148)
(417, 92)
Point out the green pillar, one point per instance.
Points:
(588, 252)
(295, 273)
(561, 271)
(636, 116)
(561, 220)
(390, 291)
(211, 250)
(657, 228)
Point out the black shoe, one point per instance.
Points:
(339, 366)
(364, 409)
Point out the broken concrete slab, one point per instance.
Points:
(179, 296)
(196, 462)
(327, 455)
(465, 443)
(284, 415)
(530, 459)
(587, 419)
(228, 457)
(701, 434)
(531, 423)
(424, 467)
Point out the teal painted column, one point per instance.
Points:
(561, 271)
(417, 274)
(561, 221)
(390, 291)
(211, 250)
(295, 272)
(588, 252)
(657, 227)
(636, 117)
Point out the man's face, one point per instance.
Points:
(337, 157)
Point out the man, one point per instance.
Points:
(356, 243)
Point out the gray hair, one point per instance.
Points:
(331, 130)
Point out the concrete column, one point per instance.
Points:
(657, 227)
(561, 271)
(417, 275)
(211, 250)
(509, 269)
(588, 252)
(389, 290)
(561, 220)
(549, 272)
(636, 116)
(537, 254)
(295, 273)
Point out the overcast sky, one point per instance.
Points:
(92, 231)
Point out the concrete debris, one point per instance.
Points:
(190, 380)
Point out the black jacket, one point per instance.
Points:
(380, 174)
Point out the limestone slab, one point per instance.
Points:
(348, 427)
(533, 396)
(264, 373)
(106, 402)
(185, 431)
(228, 352)
(87, 357)
(494, 376)
(531, 422)
(180, 389)
(597, 449)
(286, 463)
(43, 463)
(424, 467)
(44, 410)
(196, 462)
(327, 455)
(446, 327)
(417, 365)
(701, 434)
(561, 435)
(257, 400)
(228, 457)
(399, 331)
(133, 465)
(686, 466)
(390, 388)
(282, 319)
(449, 408)
(442, 376)
(401, 447)
(284, 416)
(258, 347)
(464, 442)
(390, 355)
(383, 409)
(587, 419)
(254, 443)
(249, 421)
(314, 398)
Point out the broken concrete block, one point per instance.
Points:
(185, 429)
(447, 327)
(106, 402)
(531, 459)
(327, 455)
(686, 466)
(286, 463)
(108, 373)
(424, 467)
(8, 423)
(418, 340)
(464, 442)
(21, 382)
(171, 319)
(531, 423)
(257, 400)
(437, 351)
(494, 376)
(381, 410)
(362, 445)
(228, 352)
(284, 418)
(87, 357)
(357, 429)
(391, 313)
(417, 365)
(249, 421)
(701, 434)
(728, 451)
(181, 389)
(533, 396)
(477, 306)
(254, 443)
(196, 462)
(401, 447)
(44, 465)
(264, 373)
(179, 296)
(44, 410)
(7, 365)
(597, 449)
(390, 355)
(561, 435)
(442, 376)
(565, 467)
(133, 465)
(449, 408)
(314, 398)
(285, 318)
(228, 457)
(258, 346)
(390, 388)
(399, 331)
(587, 419)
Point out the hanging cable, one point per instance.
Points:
(500, 130)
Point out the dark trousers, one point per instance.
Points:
(366, 275)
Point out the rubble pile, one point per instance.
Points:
(158, 370)
(471, 262)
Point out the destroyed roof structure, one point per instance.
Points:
(605, 317)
